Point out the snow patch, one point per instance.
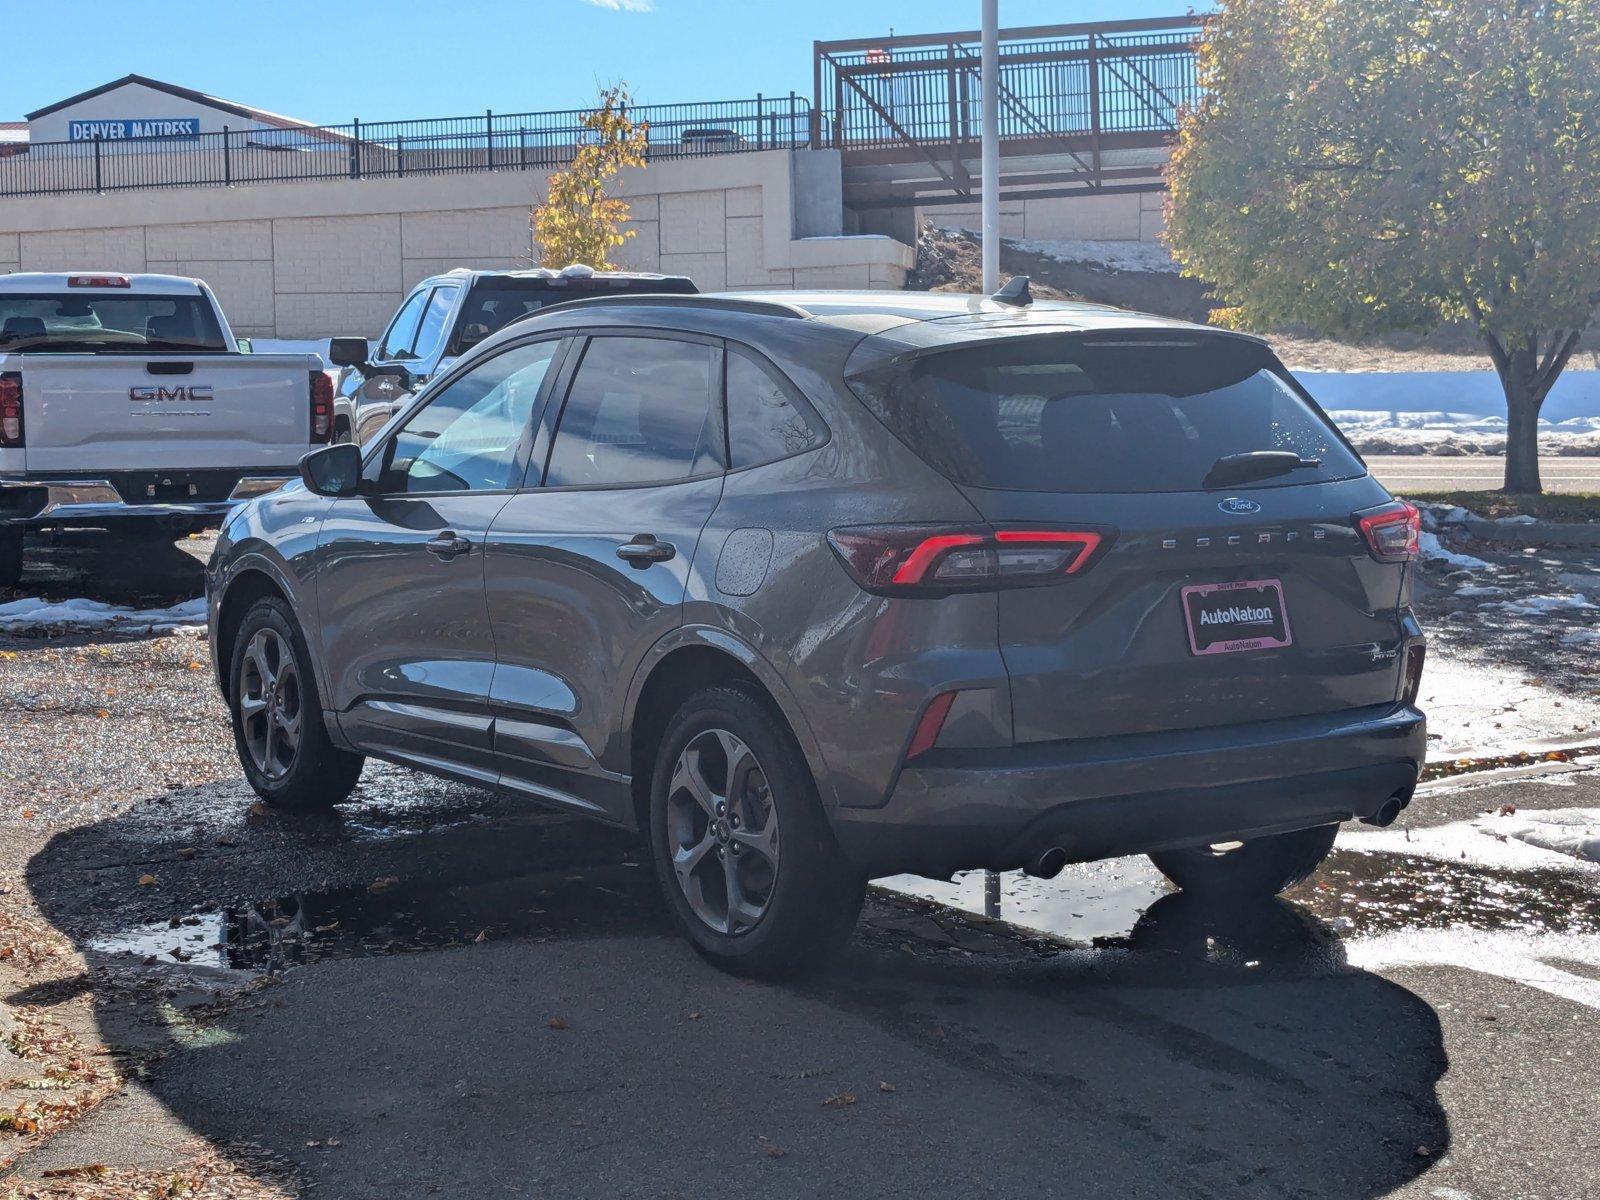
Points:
(1538, 606)
(1430, 547)
(1147, 257)
(1574, 831)
(32, 615)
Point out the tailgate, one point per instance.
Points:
(113, 412)
(1114, 650)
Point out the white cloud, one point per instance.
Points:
(636, 6)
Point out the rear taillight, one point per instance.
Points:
(11, 430)
(321, 406)
(1391, 530)
(115, 281)
(1411, 684)
(930, 560)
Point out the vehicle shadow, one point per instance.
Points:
(139, 565)
(486, 1002)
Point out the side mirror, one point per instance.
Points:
(347, 351)
(333, 470)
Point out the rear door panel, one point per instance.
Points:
(1108, 652)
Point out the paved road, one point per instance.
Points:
(1400, 472)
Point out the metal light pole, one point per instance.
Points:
(990, 64)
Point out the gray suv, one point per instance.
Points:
(811, 589)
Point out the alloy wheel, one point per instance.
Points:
(270, 703)
(722, 832)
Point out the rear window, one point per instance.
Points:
(92, 323)
(496, 302)
(1058, 414)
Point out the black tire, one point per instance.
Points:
(813, 896)
(313, 773)
(1260, 867)
(10, 555)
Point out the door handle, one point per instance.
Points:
(644, 550)
(447, 545)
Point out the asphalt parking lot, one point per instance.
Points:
(437, 991)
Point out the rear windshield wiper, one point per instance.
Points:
(1255, 464)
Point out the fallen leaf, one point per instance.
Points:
(1507, 810)
(694, 1016)
(842, 1100)
(776, 1152)
(258, 809)
(187, 852)
(557, 1022)
(102, 713)
(383, 884)
(483, 936)
(886, 1087)
(27, 814)
(146, 880)
(94, 1169)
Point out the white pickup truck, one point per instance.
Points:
(125, 397)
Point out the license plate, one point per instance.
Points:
(1226, 617)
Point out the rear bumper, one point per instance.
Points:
(68, 501)
(964, 809)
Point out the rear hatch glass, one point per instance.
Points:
(1074, 414)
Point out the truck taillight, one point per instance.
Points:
(921, 560)
(116, 281)
(1391, 530)
(11, 430)
(321, 406)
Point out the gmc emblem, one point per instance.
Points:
(179, 394)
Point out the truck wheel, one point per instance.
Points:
(10, 555)
(740, 843)
(1260, 867)
(283, 745)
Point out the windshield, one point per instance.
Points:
(1067, 414)
(108, 323)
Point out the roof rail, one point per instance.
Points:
(753, 306)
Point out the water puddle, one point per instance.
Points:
(1357, 893)
(393, 916)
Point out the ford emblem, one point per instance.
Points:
(1238, 506)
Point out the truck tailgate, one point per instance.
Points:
(93, 412)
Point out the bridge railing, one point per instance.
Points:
(259, 153)
(1072, 82)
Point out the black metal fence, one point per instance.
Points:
(362, 150)
(1065, 81)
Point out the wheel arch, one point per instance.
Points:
(686, 662)
(247, 581)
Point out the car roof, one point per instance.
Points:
(879, 325)
(471, 275)
(57, 281)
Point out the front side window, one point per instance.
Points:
(430, 335)
(98, 323)
(402, 333)
(465, 439)
(766, 420)
(641, 410)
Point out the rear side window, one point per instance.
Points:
(95, 322)
(1053, 414)
(641, 410)
(766, 420)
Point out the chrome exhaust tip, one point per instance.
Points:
(1386, 815)
(1048, 865)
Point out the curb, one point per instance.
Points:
(1539, 533)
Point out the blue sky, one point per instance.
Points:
(397, 59)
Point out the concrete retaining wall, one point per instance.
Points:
(312, 259)
(1132, 217)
